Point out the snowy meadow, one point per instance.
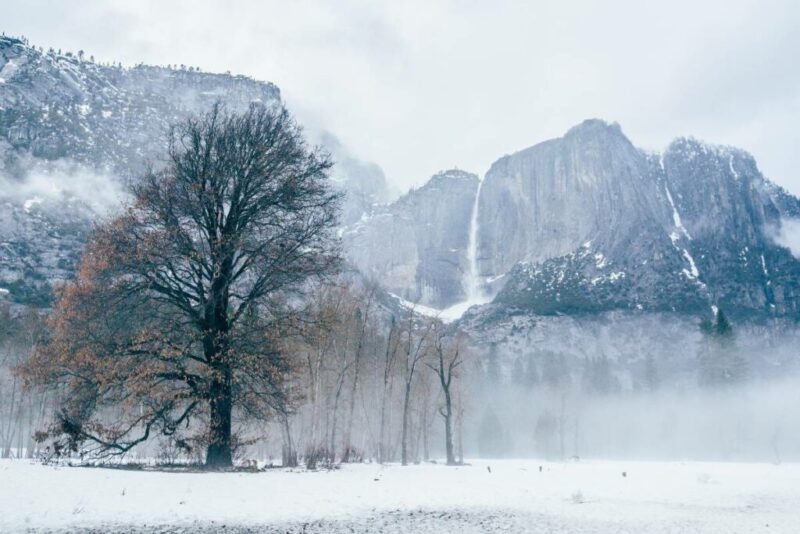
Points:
(511, 495)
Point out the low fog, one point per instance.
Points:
(757, 421)
(589, 404)
(36, 181)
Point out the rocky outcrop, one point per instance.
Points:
(730, 212)
(628, 230)
(363, 181)
(55, 106)
(416, 247)
(550, 199)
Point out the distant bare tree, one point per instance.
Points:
(361, 319)
(414, 352)
(447, 360)
(20, 410)
(389, 358)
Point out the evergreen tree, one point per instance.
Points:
(545, 435)
(525, 372)
(720, 362)
(597, 376)
(493, 366)
(518, 372)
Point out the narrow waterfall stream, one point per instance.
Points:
(473, 283)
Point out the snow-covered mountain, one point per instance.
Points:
(589, 223)
(73, 132)
(582, 224)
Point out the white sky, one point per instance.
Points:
(420, 86)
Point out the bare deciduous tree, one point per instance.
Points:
(172, 312)
(447, 360)
(414, 352)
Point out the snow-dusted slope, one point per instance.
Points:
(56, 105)
(74, 132)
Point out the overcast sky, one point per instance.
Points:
(420, 86)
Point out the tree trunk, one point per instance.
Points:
(404, 438)
(388, 383)
(332, 446)
(448, 428)
(561, 425)
(9, 434)
(426, 454)
(460, 438)
(348, 448)
(219, 454)
(382, 429)
(288, 453)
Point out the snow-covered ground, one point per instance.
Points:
(488, 496)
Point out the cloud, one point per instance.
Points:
(64, 180)
(788, 235)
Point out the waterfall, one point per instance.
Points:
(473, 281)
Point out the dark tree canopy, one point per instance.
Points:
(172, 317)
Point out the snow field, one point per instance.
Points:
(586, 496)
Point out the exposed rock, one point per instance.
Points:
(417, 246)
(363, 181)
(611, 227)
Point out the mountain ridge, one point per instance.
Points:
(588, 222)
(580, 224)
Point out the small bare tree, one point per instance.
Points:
(414, 353)
(389, 358)
(447, 360)
(361, 319)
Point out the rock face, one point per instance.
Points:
(589, 223)
(40, 243)
(548, 200)
(416, 247)
(55, 106)
(363, 182)
(678, 232)
(730, 213)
